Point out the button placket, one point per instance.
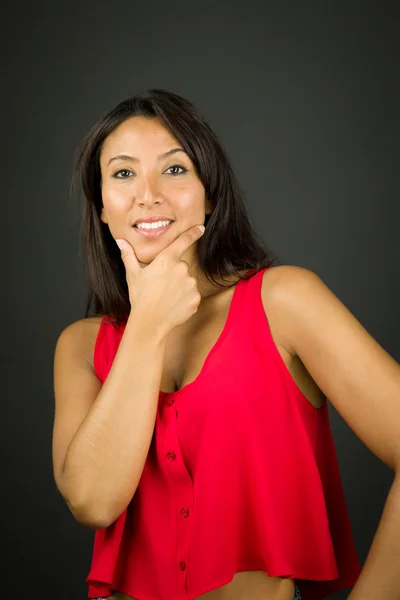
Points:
(183, 490)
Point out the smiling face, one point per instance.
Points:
(145, 172)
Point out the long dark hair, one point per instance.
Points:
(229, 244)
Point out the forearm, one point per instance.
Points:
(380, 576)
(106, 457)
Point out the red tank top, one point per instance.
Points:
(241, 475)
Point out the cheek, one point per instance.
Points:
(190, 197)
(115, 201)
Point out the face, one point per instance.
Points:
(139, 179)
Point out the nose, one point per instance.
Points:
(147, 193)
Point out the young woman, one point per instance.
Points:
(191, 429)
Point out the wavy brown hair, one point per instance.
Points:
(229, 244)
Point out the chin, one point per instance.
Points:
(145, 258)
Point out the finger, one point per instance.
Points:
(128, 256)
(184, 241)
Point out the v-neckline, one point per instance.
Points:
(213, 349)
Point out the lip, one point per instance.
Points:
(152, 233)
(151, 219)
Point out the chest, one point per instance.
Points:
(189, 346)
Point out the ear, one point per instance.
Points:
(103, 216)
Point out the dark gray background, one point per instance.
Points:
(305, 99)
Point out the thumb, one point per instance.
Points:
(128, 255)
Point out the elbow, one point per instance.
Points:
(91, 523)
(92, 517)
(93, 514)
(92, 509)
(99, 513)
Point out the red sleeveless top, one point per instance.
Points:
(241, 475)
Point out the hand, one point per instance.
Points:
(163, 289)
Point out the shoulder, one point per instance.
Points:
(284, 288)
(285, 279)
(80, 337)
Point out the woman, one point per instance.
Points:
(191, 429)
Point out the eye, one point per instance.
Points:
(177, 167)
(122, 174)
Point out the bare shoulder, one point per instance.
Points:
(285, 274)
(278, 286)
(80, 336)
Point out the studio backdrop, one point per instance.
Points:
(305, 100)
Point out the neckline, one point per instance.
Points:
(213, 349)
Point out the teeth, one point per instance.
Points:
(153, 225)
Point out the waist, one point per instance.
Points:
(246, 585)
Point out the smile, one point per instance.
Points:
(152, 233)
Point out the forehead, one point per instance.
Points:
(137, 134)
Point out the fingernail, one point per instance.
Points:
(120, 244)
(202, 228)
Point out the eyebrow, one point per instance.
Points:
(134, 159)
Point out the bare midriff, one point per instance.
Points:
(247, 585)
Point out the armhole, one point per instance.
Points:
(97, 348)
(278, 358)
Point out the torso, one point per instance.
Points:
(185, 352)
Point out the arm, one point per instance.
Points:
(102, 434)
(362, 381)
